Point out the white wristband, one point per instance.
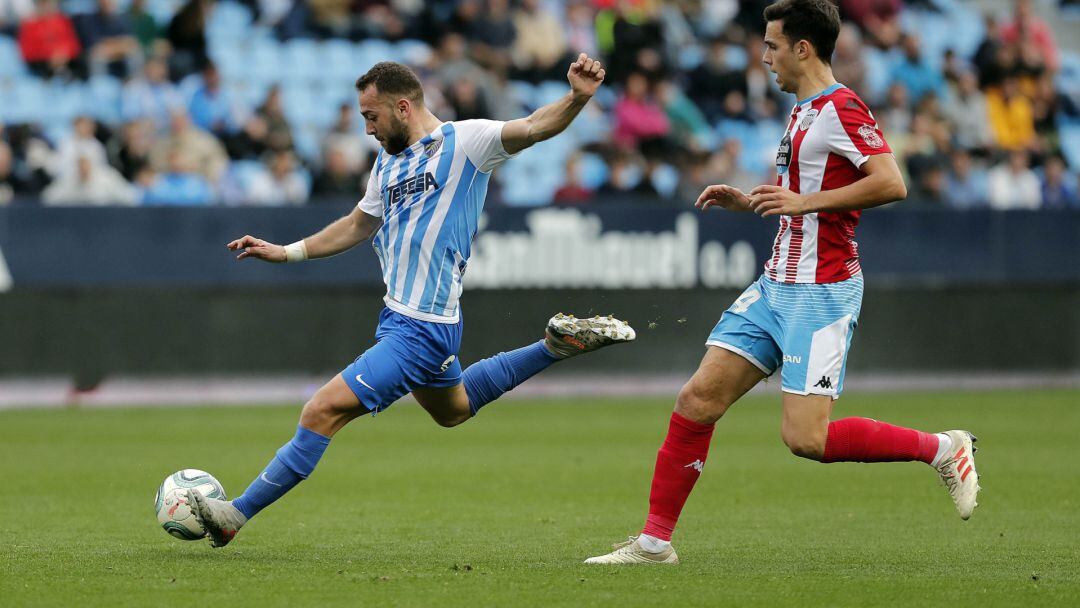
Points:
(296, 252)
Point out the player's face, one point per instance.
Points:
(780, 56)
(382, 121)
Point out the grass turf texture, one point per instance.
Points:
(502, 510)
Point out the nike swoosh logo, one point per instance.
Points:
(360, 379)
(267, 480)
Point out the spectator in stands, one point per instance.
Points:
(494, 36)
(338, 179)
(1058, 191)
(187, 35)
(211, 106)
(177, 185)
(129, 149)
(1013, 185)
(930, 186)
(581, 28)
(81, 144)
(197, 149)
(1012, 120)
(897, 110)
(725, 165)
(917, 77)
(637, 115)
(1027, 28)
(90, 184)
(626, 175)
(966, 182)
(847, 60)
(539, 51)
(145, 28)
(282, 184)
(357, 148)
(711, 81)
(10, 184)
(330, 18)
(631, 28)
(689, 129)
(965, 107)
(152, 96)
(452, 64)
(108, 39)
(49, 43)
(879, 19)
(572, 192)
(466, 101)
(272, 113)
(12, 13)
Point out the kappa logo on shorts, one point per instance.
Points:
(697, 465)
(825, 383)
(446, 364)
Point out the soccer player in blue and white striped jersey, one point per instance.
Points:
(421, 209)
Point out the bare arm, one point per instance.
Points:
(883, 184)
(585, 76)
(341, 235)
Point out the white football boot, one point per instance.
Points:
(219, 518)
(567, 336)
(958, 472)
(630, 551)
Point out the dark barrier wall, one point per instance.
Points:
(603, 246)
(153, 291)
(94, 332)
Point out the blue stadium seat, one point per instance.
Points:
(103, 96)
(11, 62)
(301, 60)
(549, 91)
(1070, 144)
(592, 170)
(665, 178)
(735, 57)
(413, 52)
(370, 52)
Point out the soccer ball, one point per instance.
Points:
(171, 503)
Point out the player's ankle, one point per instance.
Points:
(652, 544)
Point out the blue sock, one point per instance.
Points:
(291, 465)
(486, 380)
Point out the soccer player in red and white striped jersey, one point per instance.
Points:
(832, 163)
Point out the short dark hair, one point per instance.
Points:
(393, 78)
(817, 21)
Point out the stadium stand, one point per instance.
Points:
(691, 66)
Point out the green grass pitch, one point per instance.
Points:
(501, 511)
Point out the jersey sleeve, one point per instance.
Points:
(482, 142)
(372, 203)
(856, 137)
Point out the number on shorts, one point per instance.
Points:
(746, 300)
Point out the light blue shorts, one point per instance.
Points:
(804, 327)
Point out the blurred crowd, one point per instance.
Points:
(687, 101)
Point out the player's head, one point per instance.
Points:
(798, 34)
(390, 96)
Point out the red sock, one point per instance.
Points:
(678, 466)
(866, 440)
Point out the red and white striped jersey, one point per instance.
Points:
(828, 137)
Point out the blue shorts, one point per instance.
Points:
(408, 354)
(805, 327)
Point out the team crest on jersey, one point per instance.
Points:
(807, 120)
(432, 147)
(870, 136)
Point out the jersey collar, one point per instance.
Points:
(828, 91)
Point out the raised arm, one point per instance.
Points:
(585, 76)
(341, 235)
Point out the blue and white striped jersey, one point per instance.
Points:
(430, 197)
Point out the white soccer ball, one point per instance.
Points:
(171, 503)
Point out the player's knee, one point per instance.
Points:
(699, 403)
(320, 411)
(804, 444)
(450, 420)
